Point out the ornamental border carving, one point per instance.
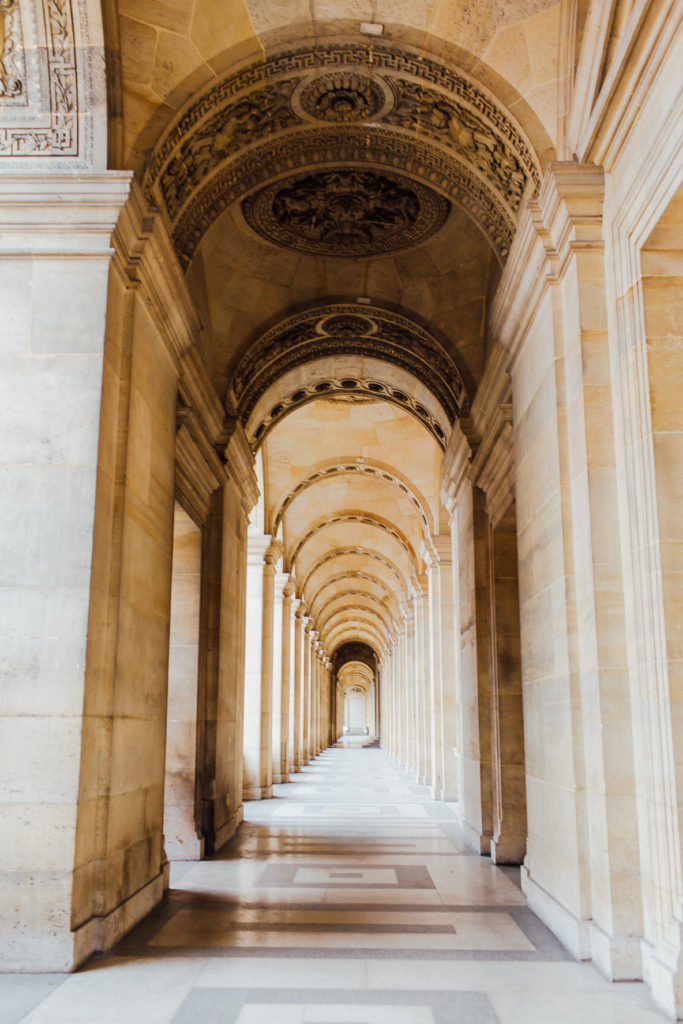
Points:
(366, 552)
(54, 132)
(357, 575)
(341, 55)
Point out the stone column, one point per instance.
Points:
(182, 839)
(306, 692)
(286, 730)
(449, 769)
(423, 696)
(55, 254)
(411, 689)
(258, 690)
(297, 715)
(280, 712)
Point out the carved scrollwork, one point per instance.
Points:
(255, 116)
(353, 468)
(358, 388)
(341, 96)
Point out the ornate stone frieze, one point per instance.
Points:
(455, 125)
(338, 329)
(48, 122)
(353, 577)
(345, 211)
(207, 159)
(257, 115)
(12, 71)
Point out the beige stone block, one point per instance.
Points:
(59, 428)
(15, 302)
(42, 758)
(138, 48)
(137, 754)
(542, 34)
(76, 325)
(174, 15)
(43, 651)
(35, 921)
(214, 34)
(179, 71)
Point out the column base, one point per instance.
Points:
(572, 933)
(228, 828)
(257, 792)
(279, 779)
(99, 934)
(508, 850)
(661, 972)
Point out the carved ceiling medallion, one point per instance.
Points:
(342, 96)
(345, 211)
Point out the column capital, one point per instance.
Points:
(281, 580)
(274, 552)
(257, 545)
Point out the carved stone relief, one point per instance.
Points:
(342, 96)
(48, 123)
(346, 211)
(216, 152)
(12, 70)
(340, 328)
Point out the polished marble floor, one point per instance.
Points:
(348, 899)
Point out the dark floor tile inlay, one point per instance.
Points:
(223, 1006)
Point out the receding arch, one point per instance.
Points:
(352, 375)
(327, 620)
(347, 329)
(366, 553)
(375, 522)
(355, 575)
(369, 468)
(432, 121)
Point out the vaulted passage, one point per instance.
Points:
(340, 358)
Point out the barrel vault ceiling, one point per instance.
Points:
(341, 182)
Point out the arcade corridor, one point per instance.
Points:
(348, 899)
